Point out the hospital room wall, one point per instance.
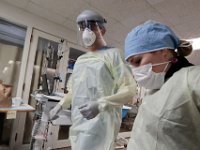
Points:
(22, 17)
(31, 22)
(194, 57)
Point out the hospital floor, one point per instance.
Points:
(70, 149)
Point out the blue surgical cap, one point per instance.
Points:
(148, 37)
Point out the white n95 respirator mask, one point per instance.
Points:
(147, 78)
(88, 37)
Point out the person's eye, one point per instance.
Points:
(83, 28)
(137, 62)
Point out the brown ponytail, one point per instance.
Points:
(185, 48)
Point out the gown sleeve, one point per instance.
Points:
(125, 84)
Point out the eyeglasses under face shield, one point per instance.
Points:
(90, 25)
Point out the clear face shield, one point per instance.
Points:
(90, 34)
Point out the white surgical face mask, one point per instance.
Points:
(88, 37)
(147, 78)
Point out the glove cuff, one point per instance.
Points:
(102, 105)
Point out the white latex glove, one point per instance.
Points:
(54, 112)
(90, 110)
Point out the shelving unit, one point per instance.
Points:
(22, 108)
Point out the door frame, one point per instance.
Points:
(26, 83)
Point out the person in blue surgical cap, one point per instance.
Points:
(169, 116)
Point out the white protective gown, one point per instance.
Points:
(99, 76)
(169, 119)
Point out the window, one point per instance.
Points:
(11, 49)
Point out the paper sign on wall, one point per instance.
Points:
(11, 115)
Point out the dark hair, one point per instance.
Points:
(185, 48)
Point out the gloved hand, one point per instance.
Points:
(54, 112)
(89, 110)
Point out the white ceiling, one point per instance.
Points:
(122, 15)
